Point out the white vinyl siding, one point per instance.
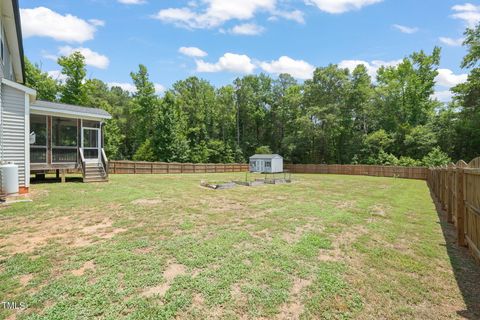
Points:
(13, 130)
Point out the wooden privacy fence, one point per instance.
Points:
(136, 167)
(457, 189)
(357, 170)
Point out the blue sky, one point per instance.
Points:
(220, 40)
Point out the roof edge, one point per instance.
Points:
(81, 114)
(18, 27)
(20, 87)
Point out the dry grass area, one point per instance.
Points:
(162, 247)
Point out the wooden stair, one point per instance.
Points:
(94, 172)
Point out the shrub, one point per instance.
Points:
(436, 157)
(263, 150)
(408, 162)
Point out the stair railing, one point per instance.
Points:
(82, 161)
(105, 163)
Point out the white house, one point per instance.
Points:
(266, 163)
(39, 136)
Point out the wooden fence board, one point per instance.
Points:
(457, 189)
(377, 171)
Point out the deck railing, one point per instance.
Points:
(105, 162)
(82, 161)
(64, 154)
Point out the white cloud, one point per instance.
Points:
(43, 22)
(468, 13)
(451, 41)
(443, 95)
(57, 75)
(296, 68)
(124, 85)
(132, 89)
(132, 1)
(247, 29)
(405, 29)
(295, 15)
(340, 6)
(97, 22)
(217, 12)
(446, 78)
(372, 67)
(92, 58)
(159, 88)
(192, 52)
(231, 62)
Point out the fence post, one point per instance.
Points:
(449, 191)
(460, 207)
(444, 188)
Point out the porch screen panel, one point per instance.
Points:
(64, 140)
(38, 150)
(90, 143)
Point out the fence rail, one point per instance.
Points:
(135, 167)
(365, 170)
(457, 189)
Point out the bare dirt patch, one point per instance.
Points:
(89, 265)
(25, 279)
(294, 308)
(173, 270)
(379, 210)
(34, 234)
(158, 290)
(237, 295)
(345, 204)
(198, 301)
(143, 250)
(294, 237)
(147, 202)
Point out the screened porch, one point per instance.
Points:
(65, 136)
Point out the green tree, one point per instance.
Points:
(171, 142)
(144, 109)
(263, 150)
(467, 100)
(74, 68)
(35, 78)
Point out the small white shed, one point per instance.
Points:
(266, 163)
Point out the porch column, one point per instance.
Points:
(49, 140)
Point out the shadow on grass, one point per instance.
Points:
(56, 180)
(464, 266)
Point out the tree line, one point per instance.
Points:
(338, 116)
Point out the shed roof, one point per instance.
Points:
(68, 110)
(266, 156)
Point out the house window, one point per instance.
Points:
(64, 140)
(268, 164)
(38, 150)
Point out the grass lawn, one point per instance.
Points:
(161, 246)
